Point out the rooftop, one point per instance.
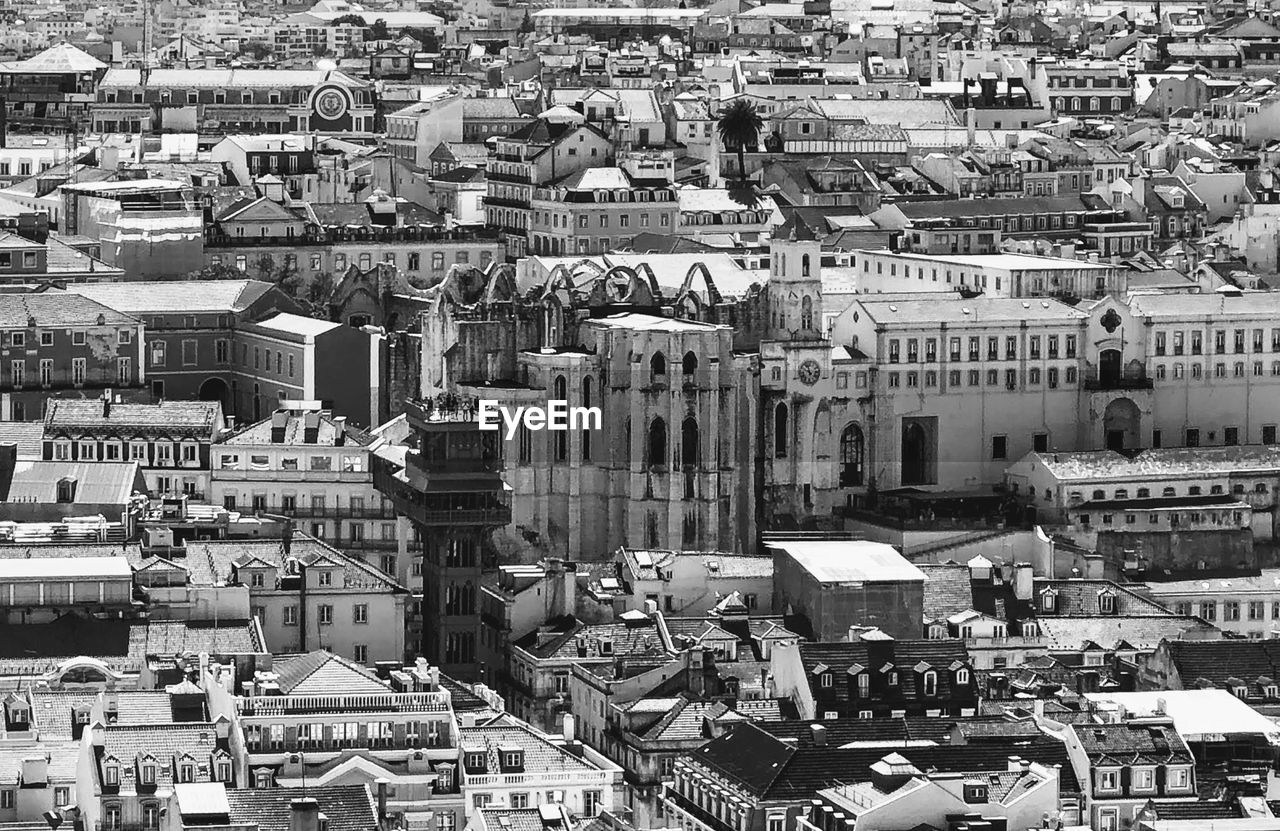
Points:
(850, 561)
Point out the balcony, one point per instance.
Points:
(1095, 381)
(278, 705)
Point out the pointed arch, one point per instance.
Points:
(657, 455)
(806, 313)
(690, 444)
(689, 364)
(657, 366)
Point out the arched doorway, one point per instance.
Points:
(1122, 425)
(215, 389)
(915, 454)
(852, 455)
(1109, 368)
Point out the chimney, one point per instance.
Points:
(106, 404)
(567, 729)
(1015, 764)
(35, 771)
(222, 727)
(1023, 581)
(971, 124)
(383, 784)
(818, 733)
(310, 428)
(304, 815)
(286, 537)
(279, 426)
(110, 705)
(8, 464)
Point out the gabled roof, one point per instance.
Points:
(323, 673)
(57, 59)
(347, 807)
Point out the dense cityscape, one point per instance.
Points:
(699, 415)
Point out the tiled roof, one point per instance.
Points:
(1200, 809)
(323, 673)
(1080, 598)
(1254, 662)
(51, 309)
(126, 743)
(53, 712)
(686, 721)
(1112, 632)
(511, 819)
(347, 807)
(1131, 744)
(208, 561)
(771, 769)
(175, 296)
(574, 639)
(541, 756)
(904, 656)
(63, 759)
(68, 413)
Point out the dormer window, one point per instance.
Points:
(826, 680)
(975, 793)
(1107, 603)
(147, 773)
(223, 769)
(962, 677)
(186, 772)
(1030, 629)
(937, 631)
(111, 774)
(444, 778)
(929, 684)
(262, 779)
(1049, 600)
(892, 678)
(864, 685)
(512, 760)
(1272, 691)
(475, 761)
(1240, 692)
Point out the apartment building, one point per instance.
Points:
(191, 336)
(1089, 88)
(995, 275)
(306, 595)
(58, 344)
(232, 101)
(532, 156)
(171, 441)
(600, 209)
(315, 467)
(320, 721)
(288, 357)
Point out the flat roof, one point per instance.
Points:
(848, 561)
(1196, 713)
(298, 325)
(65, 567)
(1013, 262)
(607, 13)
(202, 799)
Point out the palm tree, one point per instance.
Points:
(740, 125)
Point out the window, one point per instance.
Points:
(324, 613)
(290, 615)
(999, 447)
(360, 653)
(930, 683)
(360, 613)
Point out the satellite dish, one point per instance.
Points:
(326, 65)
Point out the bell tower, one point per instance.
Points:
(795, 282)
